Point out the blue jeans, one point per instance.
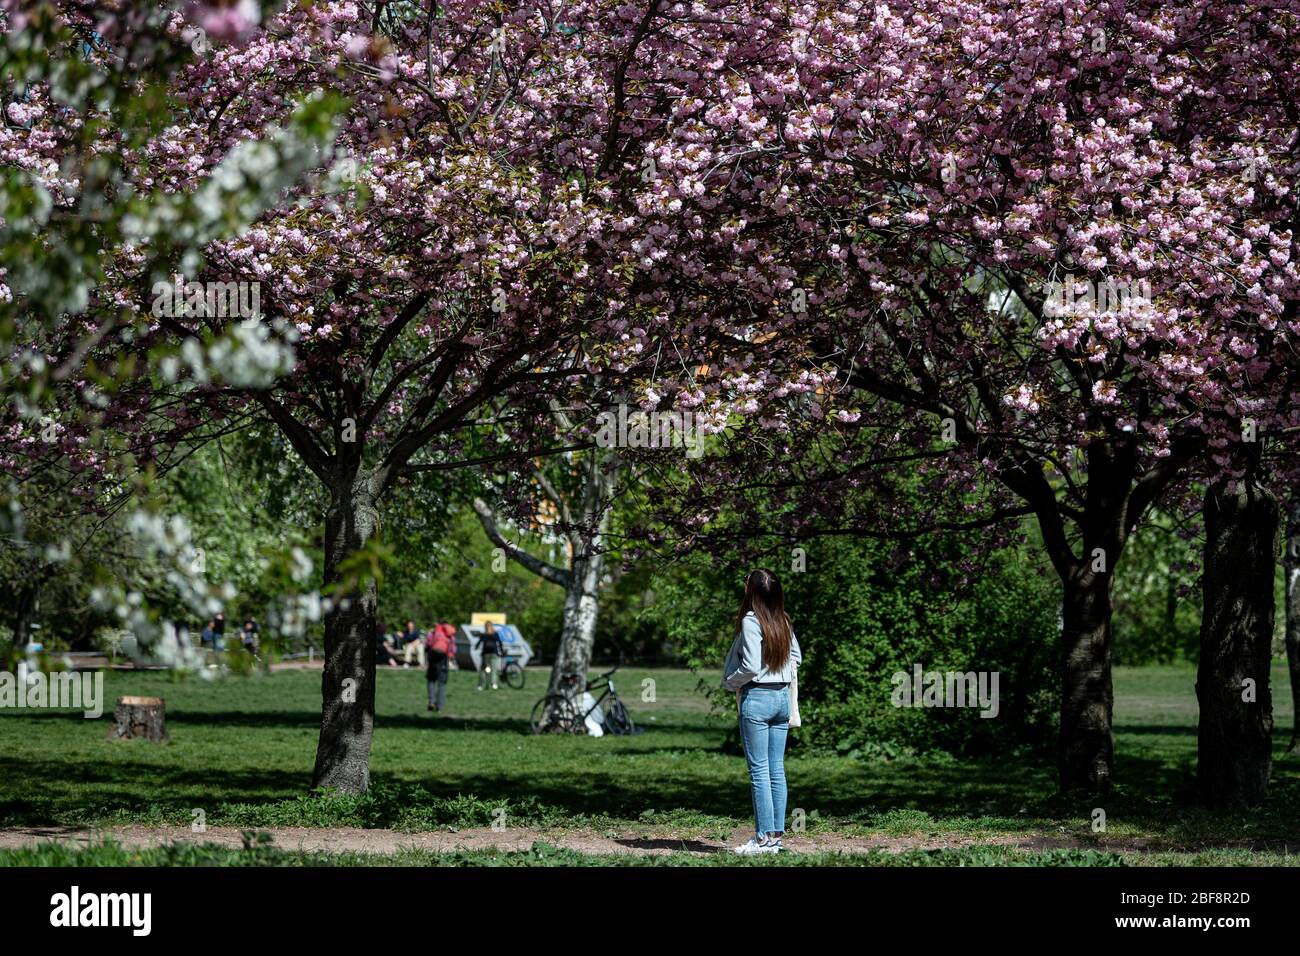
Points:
(764, 725)
(436, 675)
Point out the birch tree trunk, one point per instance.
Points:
(582, 595)
(581, 579)
(578, 632)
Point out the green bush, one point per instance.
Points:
(865, 610)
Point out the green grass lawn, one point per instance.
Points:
(242, 750)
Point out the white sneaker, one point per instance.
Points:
(753, 848)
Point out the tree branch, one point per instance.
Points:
(539, 567)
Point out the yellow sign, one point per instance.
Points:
(485, 617)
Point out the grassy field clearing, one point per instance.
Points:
(241, 751)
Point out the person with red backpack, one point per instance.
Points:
(441, 646)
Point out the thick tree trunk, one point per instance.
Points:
(25, 613)
(1291, 567)
(582, 592)
(578, 633)
(581, 579)
(348, 681)
(1234, 740)
(1086, 750)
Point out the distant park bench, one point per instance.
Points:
(82, 660)
(92, 661)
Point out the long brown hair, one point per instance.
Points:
(763, 596)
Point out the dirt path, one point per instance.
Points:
(344, 839)
(646, 843)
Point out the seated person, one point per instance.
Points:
(412, 644)
(385, 649)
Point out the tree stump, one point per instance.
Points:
(139, 717)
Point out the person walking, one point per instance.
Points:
(762, 663)
(441, 648)
(489, 649)
(442, 627)
(250, 637)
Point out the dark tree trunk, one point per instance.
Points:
(1171, 605)
(1291, 568)
(348, 680)
(1234, 740)
(25, 613)
(1086, 749)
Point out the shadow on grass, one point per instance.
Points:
(311, 720)
(675, 846)
(638, 776)
(75, 792)
(301, 719)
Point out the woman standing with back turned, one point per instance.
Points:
(763, 661)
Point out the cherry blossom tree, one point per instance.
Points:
(508, 199)
(1059, 235)
(1065, 234)
(86, 426)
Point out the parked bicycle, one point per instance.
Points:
(512, 672)
(563, 713)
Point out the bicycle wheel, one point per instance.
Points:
(555, 714)
(513, 675)
(618, 720)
